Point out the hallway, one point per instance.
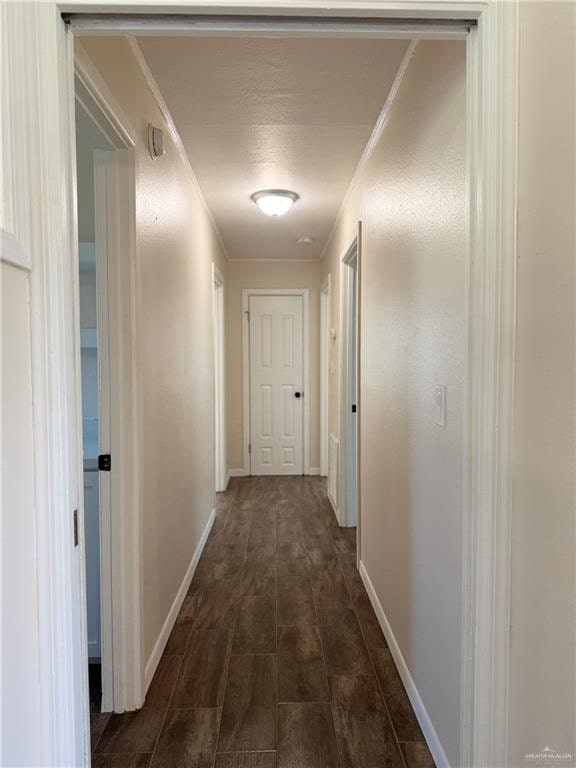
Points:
(276, 658)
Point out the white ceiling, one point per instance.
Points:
(273, 113)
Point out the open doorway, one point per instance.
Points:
(492, 64)
(220, 469)
(324, 375)
(95, 384)
(349, 388)
(109, 535)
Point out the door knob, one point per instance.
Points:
(297, 394)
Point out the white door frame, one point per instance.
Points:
(325, 320)
(120, 548)
(103, 165)
(43, 67)
(305, 294)
(348, 506)
(218, 314)
(39, 235)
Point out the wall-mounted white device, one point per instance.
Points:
(440, 405)
(156, 142)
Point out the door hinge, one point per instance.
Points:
(75, 527)
(247, 315)
(249, 447)
(104, 462)
(354, 408)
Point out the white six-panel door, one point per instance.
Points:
(276, 385)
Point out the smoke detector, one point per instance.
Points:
(156, 142)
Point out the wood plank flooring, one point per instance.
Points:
(276, 659)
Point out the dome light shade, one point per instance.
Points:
(274, 202)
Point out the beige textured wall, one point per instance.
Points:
(543, 662)
(411, 201)
(268, 274)
(176, 245)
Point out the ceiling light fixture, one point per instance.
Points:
(274, 202)
(305, 240)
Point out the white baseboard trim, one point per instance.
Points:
(234, 473)
(239, 472)
(160, 644)
(334, 507)
(415, 699)
(314, 471)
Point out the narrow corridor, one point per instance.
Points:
(276, 658)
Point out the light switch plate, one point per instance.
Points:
(440, 404)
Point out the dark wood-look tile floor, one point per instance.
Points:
(276, 659)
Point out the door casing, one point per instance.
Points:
(492, 142)
(120, 547)
(218, 311)
(348, 495)
(325, 348)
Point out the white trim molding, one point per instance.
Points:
(244, 26)
(492, 146)
(348, 492)
(167, 627)
(238, 472)
(440, 759)
(325, 357)
(120, 500)
(38, 211)
(41, 66)
(93, 93)
(219, 336)
(217, 278)
(333, 473)
(305, 294)
(13, 252)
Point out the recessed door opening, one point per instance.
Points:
(349, 414)
(90, 142)
(220, 468)
(276, 375)
(110, 541)
(265, 222)
(325, 373)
